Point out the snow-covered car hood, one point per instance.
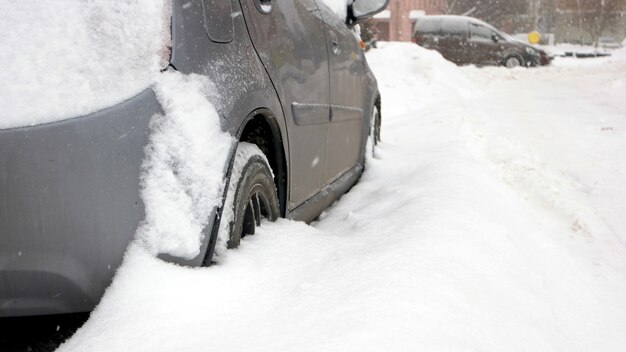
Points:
(68, 58)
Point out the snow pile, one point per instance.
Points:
(460, 236)
(182, 180)
(67, 58)
(426, 76)
(565, 156)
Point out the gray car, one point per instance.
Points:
(70, 190)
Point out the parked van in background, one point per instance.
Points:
(466, 40)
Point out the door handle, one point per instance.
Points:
(334, 43)
(264, 6)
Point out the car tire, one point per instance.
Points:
(513, 61)
(255, 197)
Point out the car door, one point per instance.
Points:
(347, 96)
(483, 50)
(428, 30)
(290, 41)
(452, 39)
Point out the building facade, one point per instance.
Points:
(396, 22)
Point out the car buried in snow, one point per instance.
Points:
(608, 43)
(469, 41)
(289, 81)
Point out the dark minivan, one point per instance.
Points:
(466, 40)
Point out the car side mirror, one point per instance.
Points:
(495, 37)
(361, 10)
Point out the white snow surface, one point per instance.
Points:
(490, 219)
(67, 58)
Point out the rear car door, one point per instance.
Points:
(452, 40)
(483, 49)
(428, 30)
(347, 96)
(289, 38)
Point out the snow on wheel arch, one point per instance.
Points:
(183, 172)
(244, 152)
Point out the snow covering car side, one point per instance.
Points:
(287, 82)
(466, 40)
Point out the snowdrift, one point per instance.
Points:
(489, 220)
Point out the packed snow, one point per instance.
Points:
(490, 219)
(66, 58)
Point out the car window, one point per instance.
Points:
(428, 26)
(454, 28)
(480, 32)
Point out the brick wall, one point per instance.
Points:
(398, 27)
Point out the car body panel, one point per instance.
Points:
(347, 97)
(69, 204)
(287, 40)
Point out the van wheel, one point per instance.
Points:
(513, 61)
(255, 197)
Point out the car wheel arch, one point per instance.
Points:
(375, 102)
(519, 57)
(260, 128)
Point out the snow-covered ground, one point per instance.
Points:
(572, 50)
(492, 219)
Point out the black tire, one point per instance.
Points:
(513, 61)
(255, 196)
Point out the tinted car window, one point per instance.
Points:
(479, 32)
(454, 28)
(428, 26)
